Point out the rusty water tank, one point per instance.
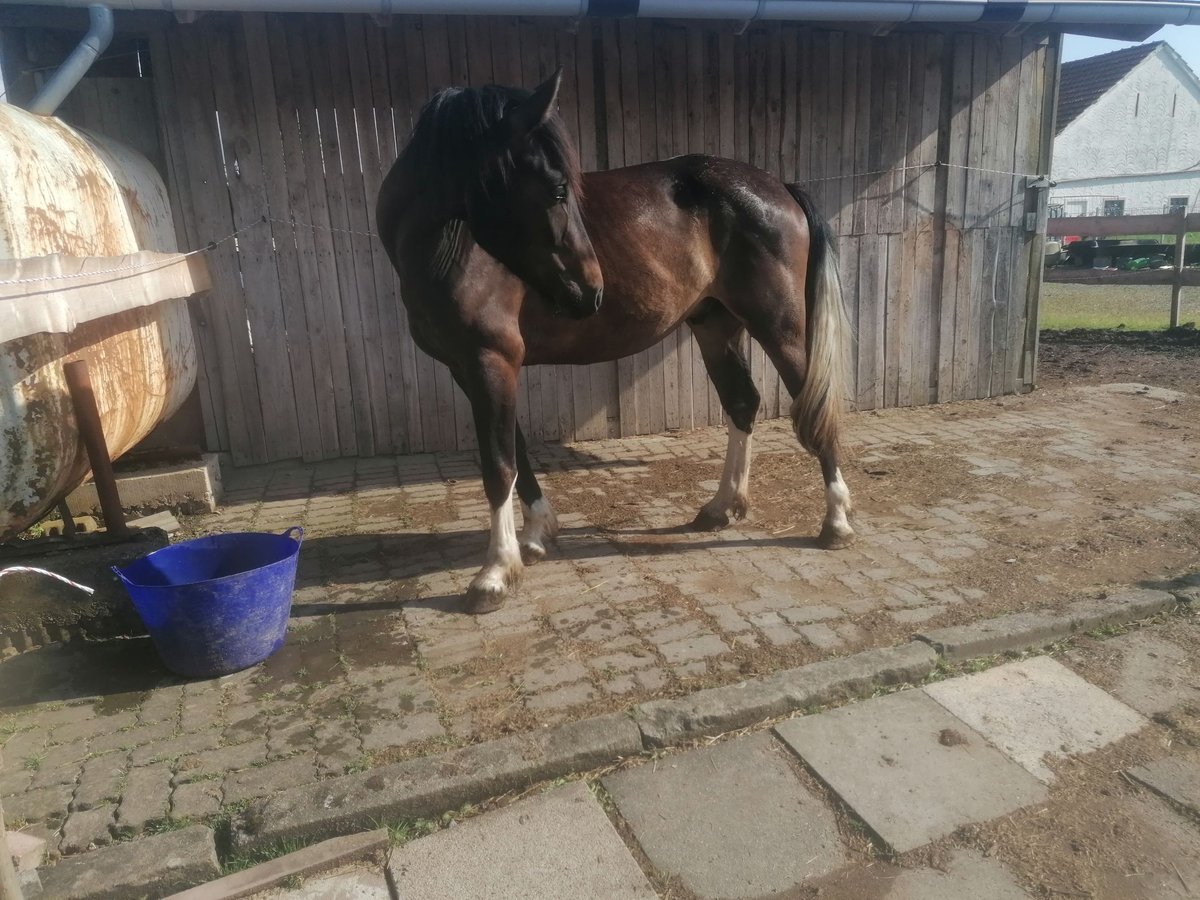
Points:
(65, 191)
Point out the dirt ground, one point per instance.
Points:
(1168, 359)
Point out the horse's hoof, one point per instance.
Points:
(485, 599)
(706, 520)
(835, 538)
(532, 553)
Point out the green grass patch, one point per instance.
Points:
(1130, 307)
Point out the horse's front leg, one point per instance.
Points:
(492, 388)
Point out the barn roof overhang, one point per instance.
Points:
(1130, 19)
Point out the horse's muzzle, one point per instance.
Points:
(581, 301)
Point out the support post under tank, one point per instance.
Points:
(87, 418)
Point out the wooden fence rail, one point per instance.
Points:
(1178, 224)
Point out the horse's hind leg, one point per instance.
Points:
(784, 344)
(718, 334)
(541, 524)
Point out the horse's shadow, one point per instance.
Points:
(433, 554)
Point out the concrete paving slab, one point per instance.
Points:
(1155, 675)
(968, 875)
(730, 821)
(1035, 707)
(557, 845)
(360, 883)
(1176, 779)
(908, 768)
(152, 866)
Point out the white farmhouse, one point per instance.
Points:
(1128, 135)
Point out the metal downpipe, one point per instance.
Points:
(63, 81)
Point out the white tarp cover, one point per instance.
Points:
(57, 293)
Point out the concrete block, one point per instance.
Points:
(1153, 675)
(968, 874)
(154, 866)
(1024, 630)
(428, 786)
(1034, 708)
(557, 845)
(27, 851)
(1176, 779)
(189, 487)
(717, 710)
(909, 769)
(730, 821)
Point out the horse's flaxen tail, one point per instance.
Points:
(818, 408)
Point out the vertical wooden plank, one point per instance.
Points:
(772, 108)
(914, 122)
(406, 83)
(435, 39)
(834, 112)
(727, 71)
(316, 442)
(318, 54)
(992, 158)
(872, 287)
(314, 239)
(849, 124)
(788, 159)
(701, 93)
(212, 400)
(350, 87)
(225, 303)
(277, 109)
(849, 248)
(629, 110)
(863, 129)
(804, 111)
(650, 366)
(600, 378)
(244, 169)
(947, 327)
(678, 360)
(398, 347)
(664, 359)
(1045, 89)
(971, 291)
(1005, 199)
(961, 80)
(378, 126)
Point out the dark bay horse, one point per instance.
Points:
(509, 256)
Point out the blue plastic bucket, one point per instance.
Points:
(216, 604)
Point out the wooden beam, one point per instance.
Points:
(1115, 226)
(1068, 275)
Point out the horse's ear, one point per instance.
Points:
(536, 109)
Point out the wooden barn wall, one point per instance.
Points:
(304, 340)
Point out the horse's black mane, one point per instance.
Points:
(458, 143)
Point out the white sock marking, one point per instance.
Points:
(837, 504)
(733, 494)
(504, 554)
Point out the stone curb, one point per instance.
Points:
(1020, 631)
(717, 710)
(309, 861)
(428, 786)
(149, 867)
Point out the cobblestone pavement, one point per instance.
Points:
(99, 743)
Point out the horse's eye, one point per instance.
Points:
(560, 194)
